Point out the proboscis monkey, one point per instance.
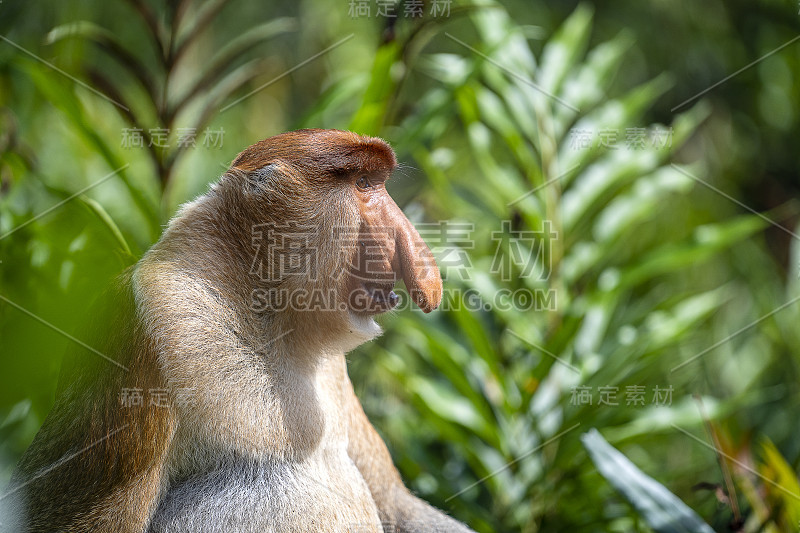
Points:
(218, 398)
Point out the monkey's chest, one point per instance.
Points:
(324, 493)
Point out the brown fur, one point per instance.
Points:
(114, 457)
(268, 391)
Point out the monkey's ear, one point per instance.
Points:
(258, 179)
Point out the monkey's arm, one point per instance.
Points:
(397, 506)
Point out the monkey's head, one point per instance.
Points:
(327, 235)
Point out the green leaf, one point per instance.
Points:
(111, 43)
(618, 113)
(664, 328)
(564, 49)
(626, 212)
(369, 119)
(66, 102)
(448, 405)
(600, 180)
(107, 221)
(504, 39)
(787, 488)
(663, 418)
(662, 510)
(452, 70)
(708, 240)
(216, 67)
(336, 101)
(589, 85)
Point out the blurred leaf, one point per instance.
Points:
(615, 114)
(201, 17)
(108, 222)
(109, 42)
(15, 417)
(588, 85)
(504, 38)
(708, 240)
(787, 490)
(448, 405)
(564, 49)
(229, 53)
(368, 120)
(66, 102)
(662, 510)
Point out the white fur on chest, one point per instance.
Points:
(324, 493)
(262, 486)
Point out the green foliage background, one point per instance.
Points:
(661, 254)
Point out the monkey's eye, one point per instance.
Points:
(363, 183)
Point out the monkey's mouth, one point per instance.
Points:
(373, 298)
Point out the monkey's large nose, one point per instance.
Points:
(414, 262)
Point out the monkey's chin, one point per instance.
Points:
(367, 301)
(363, 327)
